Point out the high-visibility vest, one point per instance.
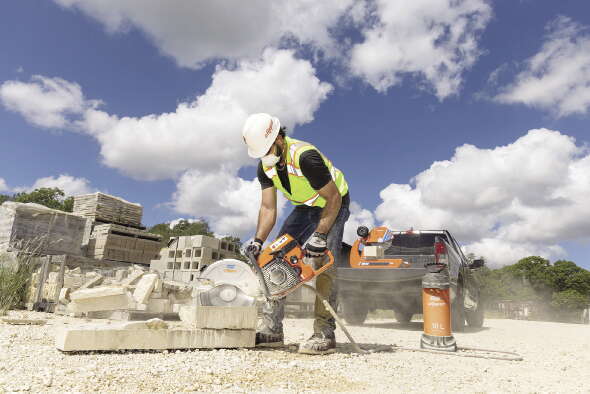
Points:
(301, 190)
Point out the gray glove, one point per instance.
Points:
(255, 247)
(316, 245)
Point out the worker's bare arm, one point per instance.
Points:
(268, 213)
(333, 201)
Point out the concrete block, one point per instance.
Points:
(219, 317)
(133, 277)
(97, 292)
(93, 281)
(64, 295)
(155, 305)
(93, 337)
(98, 299)
(144, 288)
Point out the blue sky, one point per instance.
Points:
(382, 88)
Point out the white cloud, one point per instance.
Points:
(200, 144)
(228, 202)
(504, 203)
(435, 40)
(70, 185)
(3, 186)
(557, 78)
(193, 32)
(203, 134)
(45, 102)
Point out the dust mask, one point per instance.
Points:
(271, 159)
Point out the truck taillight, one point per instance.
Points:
(440, 253)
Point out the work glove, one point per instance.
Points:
(255, 247)
(315, 249)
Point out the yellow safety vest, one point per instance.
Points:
(301, 190)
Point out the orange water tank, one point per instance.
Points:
(436, 307)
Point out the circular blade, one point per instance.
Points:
(226, 295)
(233, 272)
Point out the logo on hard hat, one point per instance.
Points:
(269, 130)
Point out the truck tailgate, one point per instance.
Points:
(392, 275)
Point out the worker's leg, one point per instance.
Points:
(326, 283)
(298, 224)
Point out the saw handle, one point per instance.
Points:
(253, 262)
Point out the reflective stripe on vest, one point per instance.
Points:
(301, 190)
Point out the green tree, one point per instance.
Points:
(3, 198)
(51, 197)
(182, 228)
(569, 300)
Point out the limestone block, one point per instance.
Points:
(156, 324)
(98, 299)
(92, 337)
(156, 305)
(64, 295)
(219, 317)
(97, 292)
(120, 275)
(144, 288)
(93, 281)
(141, 307)
(132, 277)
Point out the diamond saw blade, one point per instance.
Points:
(234, 284)
(226, 295)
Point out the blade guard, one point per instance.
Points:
(289, 250)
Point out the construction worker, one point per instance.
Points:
(320, 195)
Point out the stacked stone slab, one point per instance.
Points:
(120, 243)
(110, 209)
(56, 232)
(115, 232)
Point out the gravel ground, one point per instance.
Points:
(556, 359)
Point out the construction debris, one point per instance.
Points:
(105, 208)
(56, 232)
(99, 299)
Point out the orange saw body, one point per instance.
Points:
(281, 267)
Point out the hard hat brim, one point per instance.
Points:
(257, 154)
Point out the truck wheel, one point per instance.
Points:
(475, 318)
(354, 312)
(403, 317)
(458, 310)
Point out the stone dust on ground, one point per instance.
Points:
(556, 359)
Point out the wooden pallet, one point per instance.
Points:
(106, 208)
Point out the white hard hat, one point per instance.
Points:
(260, 132)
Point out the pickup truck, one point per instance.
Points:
(383, 269)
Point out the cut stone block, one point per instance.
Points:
(64, 295)
(144, 288)
(155, 305)
(92, 282)
(97, 292)
(93, 337)
(133, 277)
(99, 299)
(219, 317)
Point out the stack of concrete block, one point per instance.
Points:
(56, 231)
(120, 243)
(110, 209)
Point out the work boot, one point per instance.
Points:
(269, 339)
(319, 343)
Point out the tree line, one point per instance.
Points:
(561, 287)
(51, 197)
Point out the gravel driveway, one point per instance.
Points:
(556, 359)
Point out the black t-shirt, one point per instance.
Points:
(312, 166)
